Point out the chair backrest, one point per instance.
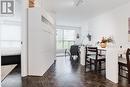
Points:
(92, 51)
(128, 61)
(128, 57)
(74, 50)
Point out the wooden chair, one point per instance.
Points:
(124, 65)
(94, 58)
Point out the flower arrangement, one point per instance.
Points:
(104, 41)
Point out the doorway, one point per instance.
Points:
(13, 44)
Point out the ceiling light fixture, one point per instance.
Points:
(78, 2)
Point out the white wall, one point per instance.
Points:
(84, 33)
(24, 53)
(41, 43)
(112, 23)
(0, 57)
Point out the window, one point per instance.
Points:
(65, 38)
(10, 35)
(69, 38)
(59, 39)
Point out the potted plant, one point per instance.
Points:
(104, 41)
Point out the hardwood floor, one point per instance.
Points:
(66, 73)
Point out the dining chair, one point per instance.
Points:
(74, 51)
(124, 65)
(94, 58)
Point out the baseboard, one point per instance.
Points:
(44, 72)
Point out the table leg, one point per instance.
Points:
(128, 75)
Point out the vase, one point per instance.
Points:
(103, 45)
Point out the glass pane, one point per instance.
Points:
(65, 38)
(67, 44)
(69, 35)
(59, 39)
(59, 44)
(59, 34)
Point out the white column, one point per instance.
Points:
(24, 58)
(82, 55)
(112, 64)
(0, 52)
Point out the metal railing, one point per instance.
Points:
(64, 44)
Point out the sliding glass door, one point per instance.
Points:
(65, 38)
(59, 39)
(69, 38)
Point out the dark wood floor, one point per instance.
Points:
(66, 73)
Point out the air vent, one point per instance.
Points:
(43, 19)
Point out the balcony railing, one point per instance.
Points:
(64, 44)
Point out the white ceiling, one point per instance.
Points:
(66, 12)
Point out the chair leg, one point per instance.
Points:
(65, 52)
(90, 64)
(119, 69)
(85, 64)
(129, 76)
(71, 57)
(95, 66)
(100, 65)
